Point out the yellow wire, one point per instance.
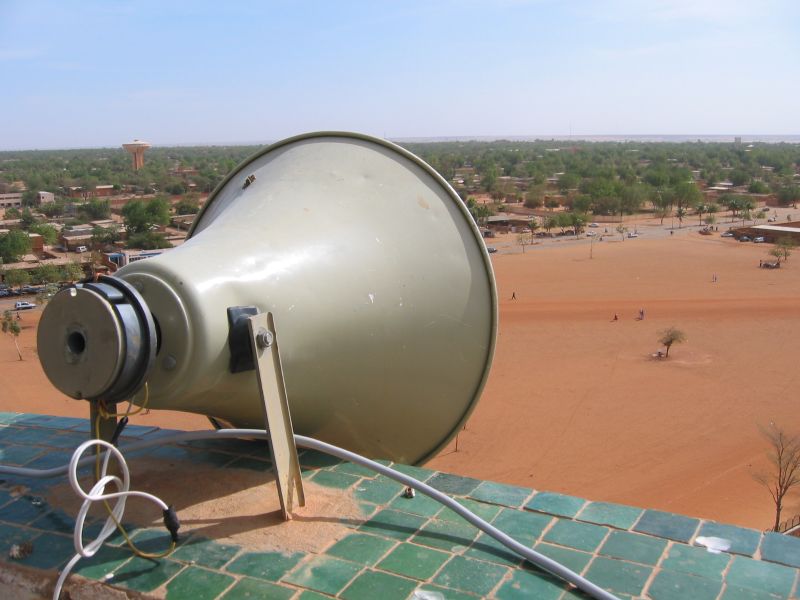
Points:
(102, 413)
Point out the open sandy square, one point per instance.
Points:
(575, 402)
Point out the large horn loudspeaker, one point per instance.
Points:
(378, 279)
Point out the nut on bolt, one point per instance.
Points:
(264, 338)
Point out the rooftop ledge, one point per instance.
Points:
(365, 541)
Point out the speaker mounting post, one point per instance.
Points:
(275, 405)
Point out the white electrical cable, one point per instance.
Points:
(528, 554)
(98, 494)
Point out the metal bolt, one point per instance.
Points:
(264, 338)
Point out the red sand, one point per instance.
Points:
(576, 404)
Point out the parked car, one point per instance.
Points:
(30, 289)
(491, 249)
(22, 305)
(758, 240)
(631, 234)
(772, 219)
(727, 234)
(591, 233)
(81, 249)
(744, 238)
(593, 225)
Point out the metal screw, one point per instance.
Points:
(264, 338)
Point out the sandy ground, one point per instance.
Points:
(575, 403)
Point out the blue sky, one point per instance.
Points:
(97, 73)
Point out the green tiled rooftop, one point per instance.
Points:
(399, 545)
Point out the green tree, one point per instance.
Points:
(784, 458)
(785, 245)
(72, 271)
(622, 230)
(524, 239)
(27, 218)
(46, 273)
(104, 236)
(140, 217)
(12, 213)
(17, 277)
(48, 232)
(14, 245)
(669, 336)
(148, 240)
(97, 209)
(10, 326)
(187, 207)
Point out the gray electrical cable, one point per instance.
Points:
(528, 554)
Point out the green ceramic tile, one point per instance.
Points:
(526, 584)
(470, 575)
(761, 576)
(67, 441)
(577, 535)
(317, 460)
(392, 523)
(418, 505)
(194, 583)
(634, 547)
(308, 595)
(615, 515)
(19, 455)
(618, 576)
(418, 473)
(324, 574)
(572, 559)
(353, 469)
(735, 592)
(500, 493)
(56, 520)
(743, 541)
(50, 460)
(667, 525)
(379, 490)
(50, 551)
(487, 512)
(446, 535)
(453, 484)
(332, 479)
(145, 575)
(525, 527)
(669, 585)
(255, 589)
(152, 541)
(24, 509)
(781, 548)
(489, 549)
(417, 562)
(107, 559)
(27, 435)
(371, 585)
(361, 548)
(695, 561)
(264, 565)
(556, 504)
(205, 552)
(446, 593)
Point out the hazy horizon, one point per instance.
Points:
(98, 74)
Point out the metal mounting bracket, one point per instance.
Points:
(277, 419)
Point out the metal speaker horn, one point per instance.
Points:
(379, 282)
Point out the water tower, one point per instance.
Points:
(137, 148)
